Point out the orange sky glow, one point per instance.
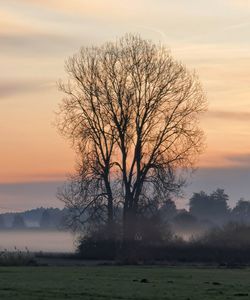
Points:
(36, 36)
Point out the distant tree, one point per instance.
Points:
(219, 200)
(18, 222)
(33, 216)
(2, 222)
(213, 207)
(46, 221)
(241, 212)
(199, 204)
(168, 210)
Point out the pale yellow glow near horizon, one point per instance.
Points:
(36, 37)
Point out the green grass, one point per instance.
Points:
(26, 283)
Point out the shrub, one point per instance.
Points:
(231, 235)
(16, 258)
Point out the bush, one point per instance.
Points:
(97, 243)
(231, 235)
(229, 245)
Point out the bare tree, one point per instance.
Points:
(131, 111)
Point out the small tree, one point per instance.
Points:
(241, 212)
(131, 111)
(199, 205)
(168, 210)
(213, 207)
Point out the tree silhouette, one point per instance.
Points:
(168, 210)
(199, 204)
(131, 112)
(212, 207)
(241, 212)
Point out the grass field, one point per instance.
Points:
(25, 283)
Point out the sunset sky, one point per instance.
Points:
(36, 36)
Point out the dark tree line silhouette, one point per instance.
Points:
(215, 208)
(194, 235)
(205, 211)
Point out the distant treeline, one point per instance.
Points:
(205, 211)
(39, 218)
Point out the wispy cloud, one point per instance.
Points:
(36, 44)
(28, 195)
(10, 88)
(229, 115)
(242, 160)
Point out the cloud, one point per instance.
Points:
(97, 9)
(36, 44)
(11, 88)
(109, 8)
(24, 196)
(228, 115)
(240, 159)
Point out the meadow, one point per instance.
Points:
(123, 282)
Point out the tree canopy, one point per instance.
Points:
(211, 207)
(132, 113)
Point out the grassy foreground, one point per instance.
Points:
(25, 283)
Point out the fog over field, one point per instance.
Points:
(46, 241)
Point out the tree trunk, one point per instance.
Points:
(110, 222)
(129, 236)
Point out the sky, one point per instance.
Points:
(36, 36)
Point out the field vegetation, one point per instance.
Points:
(119, 282)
